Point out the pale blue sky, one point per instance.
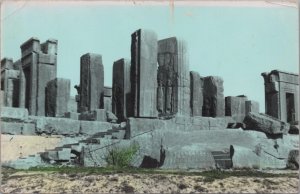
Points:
(236, 43)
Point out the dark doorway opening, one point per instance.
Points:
(290, 107)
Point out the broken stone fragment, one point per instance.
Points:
(293, 159)
(266, 124)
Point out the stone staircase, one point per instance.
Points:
(69, 153)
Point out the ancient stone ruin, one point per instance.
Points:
(179, 118)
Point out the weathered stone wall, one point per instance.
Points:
(173, 95)
(144, 73)
(196, 94)
(213, 97)
(57, 97)
(91, 82)
(121, 100)
(235, 106)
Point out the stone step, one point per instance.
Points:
(119, 135)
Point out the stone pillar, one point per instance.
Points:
(107, 100)
(173, 78)
(196, 94)
(57, 97)
(9, 83)
(235, 106)
(121, 99)
(251, 106)
(213, 97)
(39, 67)
(144, 73)
(91, 82)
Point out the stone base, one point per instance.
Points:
(17, 128)
(14, 114)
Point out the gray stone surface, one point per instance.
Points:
(266, 124)
(144, 73)
(57, 97)
(26, 163)
(107, 99)
(213, 97)
(17, 128)
(10, 113)
(121, 99)
(72, 115)
(252, 106)
(94, 115)
(39, 67)
(91, 89)
(235, 107)
(282, 95)
(92, 127)
(137, 126)
(56, 126)
(173, 92)
(196, 94)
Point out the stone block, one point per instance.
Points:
(94, 115)
(91, 88)
(92, 127)
(213, 97)
(107, 91)
(196, 94)
(266, 124)
(217, 123)
(64, 154)
(138, 126)
(121, 99)
(57, 97)
(17, 128)
(46, 58)
(56, 126)
(10, 113)
(235, 107)
(173, 92)
(72, 115)
(252, 106)
(144, 73)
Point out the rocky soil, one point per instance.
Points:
(58, 182)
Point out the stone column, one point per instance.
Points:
(213, 97)
(173, 78)
(144, 73)
(91, 82)
(57, 97)
(121, 96)
(39, 67)
(196, 94)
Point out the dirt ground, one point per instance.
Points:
(15, 146)
(54, 182)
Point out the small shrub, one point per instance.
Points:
(121, 157)
(127, 188)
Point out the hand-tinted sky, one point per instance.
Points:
(236, 43)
